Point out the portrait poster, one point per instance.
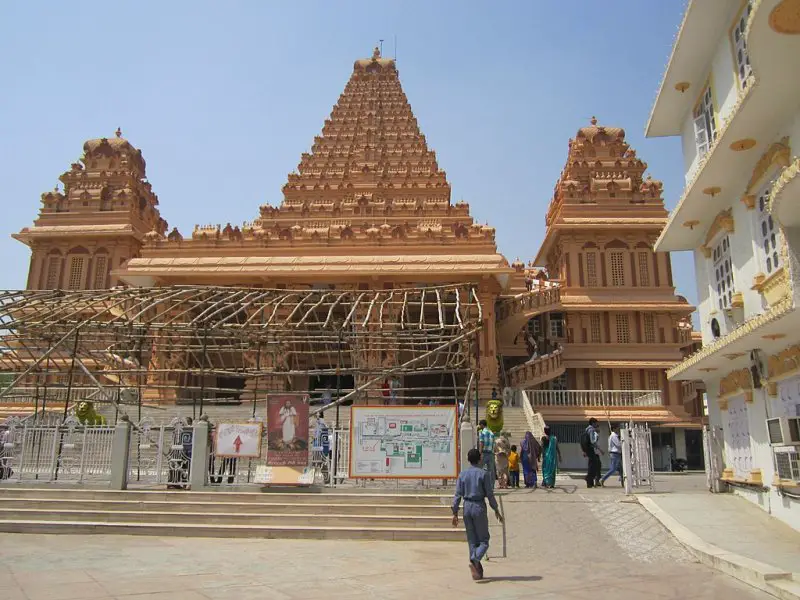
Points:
(287, 430)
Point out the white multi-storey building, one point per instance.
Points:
(731, 91)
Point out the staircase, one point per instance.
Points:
(512, 313)
(332, 515)
(515, 423)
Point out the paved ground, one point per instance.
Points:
(568, 543)
(756, 534)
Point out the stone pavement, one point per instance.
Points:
(567, 543)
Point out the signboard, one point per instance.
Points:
(287, 430)
(238, 440)
(403, 442)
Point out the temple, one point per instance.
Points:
(369, 210)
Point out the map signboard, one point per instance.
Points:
(403, 442)
(240, 440)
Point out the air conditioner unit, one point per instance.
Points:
(784, 431)
(787, 463)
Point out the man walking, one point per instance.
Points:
(615, 454)
(475, 487)
(486, 447)
(592, 452)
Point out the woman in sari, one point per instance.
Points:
(530, 451)
(552, 456)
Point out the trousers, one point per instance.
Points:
(476, 522)
(616, 465)
(514, 478)
(487, 463)
(593, 469)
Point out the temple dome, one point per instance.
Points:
(589, 133)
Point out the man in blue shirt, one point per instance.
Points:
(475, 487)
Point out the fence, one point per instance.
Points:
(160, 454)
(65, 452)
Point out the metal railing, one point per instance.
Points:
(595, 398)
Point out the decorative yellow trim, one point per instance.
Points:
(749, 201)
(682, 86)
(722, 222)
(743, 144)
(755, 477)
(727, 474)
(778, 154)
(723, 403)
(772, 388)
(758, 281)
(735, 383)
(712, 190)
(786, 176)
(784, 364)
(706, 251)
(779, 310)
(737, 300)
(776, 287)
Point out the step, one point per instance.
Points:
(325, 519)
(186, 504)
(450, 534)
(256, 497)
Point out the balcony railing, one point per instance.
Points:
(536, 371)
(595, 398)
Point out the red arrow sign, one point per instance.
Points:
(237, 443)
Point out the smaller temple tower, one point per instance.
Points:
(97, 223)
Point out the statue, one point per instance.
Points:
(494, 415)
(87, 415)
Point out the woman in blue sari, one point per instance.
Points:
(552, 456)
(530, 452)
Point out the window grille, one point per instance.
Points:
(649, 328)
(594, 326)
(623, 330)
(653, 382)
(617, 269)
(723, 273)
(53, 268)
(743, 68)
(705, 125)
(644, 269)
(100, 268)
(567, 433)
(591, 269)
(769, 236)
(598, 379)
(76, 273)
(626, 380)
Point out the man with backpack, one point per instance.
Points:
(592, 452)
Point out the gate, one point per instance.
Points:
(637, 457)
(64, 452)
(713, 447)
(159, 454)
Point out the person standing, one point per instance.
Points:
(513, 467)
(475, 487)
(615, 454)
(592, 452)
(551, 454)
(486, 447)
(531, 451)
(501, 452)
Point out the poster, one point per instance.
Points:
(287, 430)
(239, 440)
(403, 442)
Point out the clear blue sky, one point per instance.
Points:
(223, 97)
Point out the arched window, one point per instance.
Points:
(100, 270)
(76, 265)
(53, 270)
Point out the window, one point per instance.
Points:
(653, 380)
(741, 56)
(626, 380)
(649, 328)
(591, 269)
(723, 273)
(644, 268)
(598, 379)
(594, 328)
(76, 273)
(100, 269)
(567, 433)
(623, 330)
(560, 382)
(53, 269)
(768, 235)
(617, 269)
(535, 327)
(705, 125)
(557, 325)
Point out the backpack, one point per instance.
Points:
(586, 444)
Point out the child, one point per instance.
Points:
(513, 467)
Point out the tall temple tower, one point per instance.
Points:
(97, 224)
(623, 325)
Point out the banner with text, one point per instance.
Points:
(239, 440)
